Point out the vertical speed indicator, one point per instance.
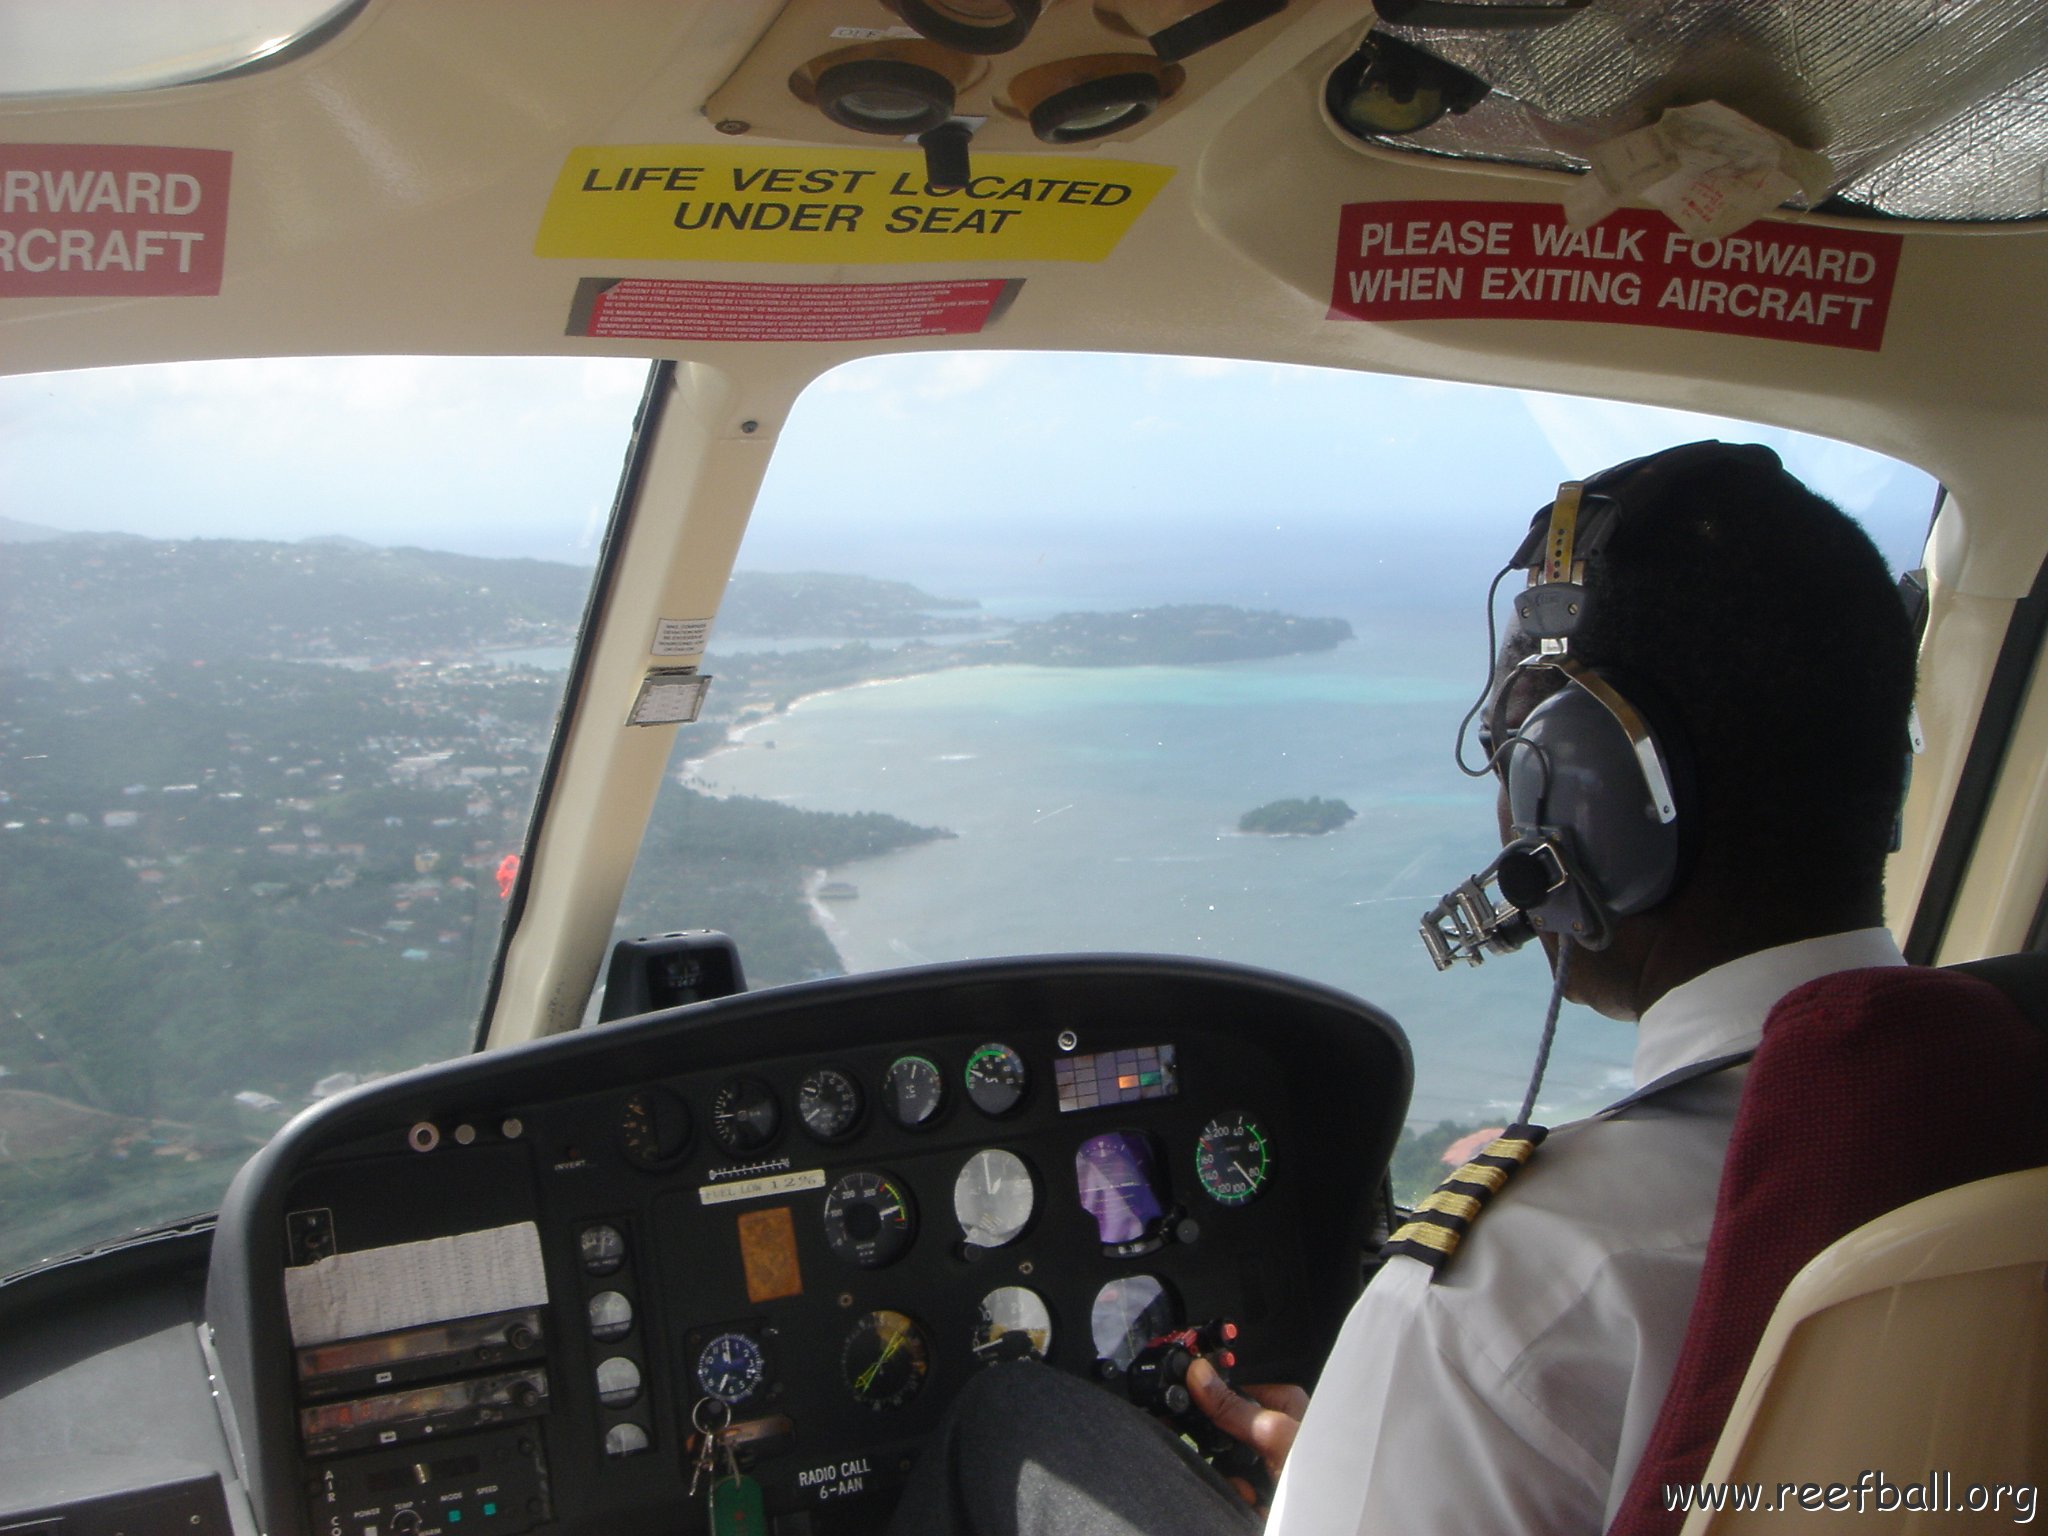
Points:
(1233, 1159)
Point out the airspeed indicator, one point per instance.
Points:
(1233, 1159)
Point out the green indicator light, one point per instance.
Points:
(490, 1509)
(455, 1517)
(1148, 1079)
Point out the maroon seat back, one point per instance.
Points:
(1871, 1089)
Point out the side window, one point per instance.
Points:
(281, 646)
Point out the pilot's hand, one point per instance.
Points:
(1266, 1418)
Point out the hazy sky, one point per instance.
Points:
(989, 474)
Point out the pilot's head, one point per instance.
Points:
(1738, 638)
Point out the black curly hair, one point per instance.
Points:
(1767, 623)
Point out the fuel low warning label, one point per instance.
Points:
(1520, 261)
(684, 202)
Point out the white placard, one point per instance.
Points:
(754, 1189)
(681, 637)
(407, 1285)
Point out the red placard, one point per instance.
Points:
(132, 220)
(689, 310)
(1520, 261)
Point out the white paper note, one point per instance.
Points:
(406, 1285)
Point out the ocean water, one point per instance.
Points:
(1096, 809)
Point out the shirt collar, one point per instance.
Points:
(1723, 1010)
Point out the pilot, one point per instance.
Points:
(1750, 631)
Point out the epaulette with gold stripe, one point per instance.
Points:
(1440, 1222)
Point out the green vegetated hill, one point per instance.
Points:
(1175, 634)
(740, 860)
(89, 600)
(86, 599)
(776, 603)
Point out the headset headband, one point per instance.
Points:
(1570, 535)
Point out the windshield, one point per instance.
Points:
(1026, 653)
(1034, 653)
(281, 649)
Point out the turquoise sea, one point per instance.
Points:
(1095, 809)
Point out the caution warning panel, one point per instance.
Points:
(1521, 261)
(130, 220)
(653, 202)
(684, 310)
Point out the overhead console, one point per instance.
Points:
(510, 1292)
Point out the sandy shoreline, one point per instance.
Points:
(691, 776)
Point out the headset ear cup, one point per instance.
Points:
(1576, 780)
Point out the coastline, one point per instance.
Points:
(690, 775)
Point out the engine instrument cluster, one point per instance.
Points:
(808, 1216)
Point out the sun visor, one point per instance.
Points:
(1925, 112)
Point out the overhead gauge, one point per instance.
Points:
(618, 1382)
(601, 1248)
(884, 1360)
(993, 1198)
(995, 1079)
(625, 1439)
(869, 1219)
(1233, 1159)
(654, 1128)
(611, 1316)
(1014, 1324)
(914, 1091)
(828, 1103)
(731, 1367)
(744, 1114)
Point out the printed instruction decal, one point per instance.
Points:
(1521, 261)
(692, 202)
(686, 310)
(117, 220)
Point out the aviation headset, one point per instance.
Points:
(1599, 779)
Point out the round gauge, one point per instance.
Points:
(828, 1103)
(995, 1079)
(993, 1197)
(627, 1439)
(731, 1367)
(611, 1316)
(654, 1128)
(601, 1249)
(1127, 1315)
(869, 1219)
(618, 1382)
(1014, 1323)
(1233, 1159)
(744, 1114)
(914, 1091)
(884, 1360)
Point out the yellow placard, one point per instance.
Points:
(690, 202)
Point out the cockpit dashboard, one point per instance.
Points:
(522, 1291)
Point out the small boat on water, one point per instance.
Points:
(838, 890)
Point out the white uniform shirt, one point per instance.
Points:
(1516, 1392)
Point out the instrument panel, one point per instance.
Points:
(519, 1291)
